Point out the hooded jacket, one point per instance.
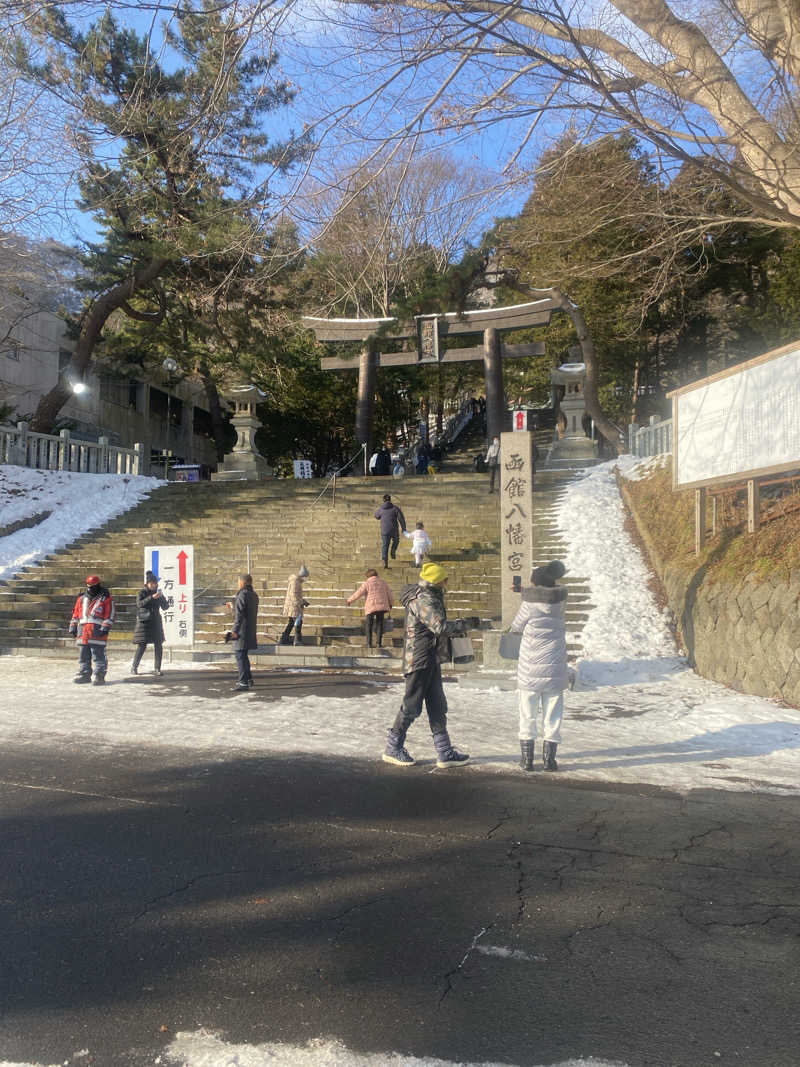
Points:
(426, 626)
(543, 649)
(390, 515)
(293, 604)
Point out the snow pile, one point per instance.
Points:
(77, 502)
(204, 1049)
(626, 638)
(644, 467)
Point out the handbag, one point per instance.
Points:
(509, 645)
(388, 624)
(461, 650)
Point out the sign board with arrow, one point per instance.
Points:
(173, 565)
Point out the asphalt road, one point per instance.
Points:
(280, 899)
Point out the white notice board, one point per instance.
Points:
(173, 565)
(741, 423)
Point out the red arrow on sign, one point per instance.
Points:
(182, 557)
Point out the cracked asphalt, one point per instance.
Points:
(525, 920)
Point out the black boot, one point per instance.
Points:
(286, 636)
(549, 756)
(99, 678)
(298, 633)
(526, 748)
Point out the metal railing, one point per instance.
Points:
(331, 483)
(651, 440)
(20, 446)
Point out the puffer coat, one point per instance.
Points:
(543, 649)
(426, 626)
(293, 604)
(378, 594)
(150, 630)
(245, 619)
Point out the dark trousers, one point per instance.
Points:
(157, 650)
(493, 471)
(243, 663)
(423, 685)
(90, 653)
(375, 620)
(386, 539)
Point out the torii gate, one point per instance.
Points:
(428, 329)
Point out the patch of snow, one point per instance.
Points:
(205, 1049)
(644, 467)
(78, 502)
(509, 953)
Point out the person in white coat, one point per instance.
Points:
(542, 674)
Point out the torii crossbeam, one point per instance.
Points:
(428, 330)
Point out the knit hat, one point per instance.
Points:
(150, 577)
(92, 579)
(548, 574)
(433, 573)
(303, 572)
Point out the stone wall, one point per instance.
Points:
(744, 633)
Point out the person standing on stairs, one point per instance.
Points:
(293, 607)
(378, 601)
(243, 633)
(493, 462)
(542, 674)
(392, 521)
(92, 617)
(149, 629)
(425, 647)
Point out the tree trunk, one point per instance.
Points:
(636, 376)
(218, 428)
(92, 322)
(606, 427)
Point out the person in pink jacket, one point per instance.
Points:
(378, 601)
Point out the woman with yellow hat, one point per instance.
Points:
(424, 649)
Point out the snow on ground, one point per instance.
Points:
(207, 1049)
(639, 714)
(77, 502)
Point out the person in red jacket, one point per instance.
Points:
(92, 617)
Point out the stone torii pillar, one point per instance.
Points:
(428, 331)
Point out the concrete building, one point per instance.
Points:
(167, 416)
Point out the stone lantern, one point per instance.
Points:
(573, 406)
(245, 463)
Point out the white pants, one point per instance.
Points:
(552, 707)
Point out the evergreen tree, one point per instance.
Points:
(188, 154)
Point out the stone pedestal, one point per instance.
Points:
(245, 463)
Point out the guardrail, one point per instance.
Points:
(651, 440)
(20, 446)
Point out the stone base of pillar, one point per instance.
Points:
(243, 467)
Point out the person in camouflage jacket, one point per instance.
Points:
(426, 646)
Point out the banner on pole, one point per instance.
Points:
(173, 565)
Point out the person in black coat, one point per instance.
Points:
(243, 634)
(149, 629)
(383, 464)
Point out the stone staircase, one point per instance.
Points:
(271, 527)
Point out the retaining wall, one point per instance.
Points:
(744, 633)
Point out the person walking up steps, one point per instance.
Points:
(424, 649)
(378, 601)
(392, 521)
(92, 617)
(542, 674)
(293, 607)
(421, 544)
(149, 629)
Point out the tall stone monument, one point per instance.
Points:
(245, 463)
